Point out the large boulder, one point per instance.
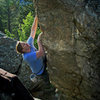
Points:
(72, 40)
(11, 88)
(8, 56)
(13, 62)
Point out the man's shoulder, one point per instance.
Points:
(25, 56)
(29, 39)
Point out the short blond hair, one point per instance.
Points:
(19, 47)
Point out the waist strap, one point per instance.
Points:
(39, 71)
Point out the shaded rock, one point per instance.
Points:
(13, 62)
(71, 38)
(24, 75)
(11, 88)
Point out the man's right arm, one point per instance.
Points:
(34, 27)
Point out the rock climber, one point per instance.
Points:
(35, 58)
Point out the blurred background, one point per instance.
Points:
(16, 18)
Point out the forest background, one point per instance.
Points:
(16, 18)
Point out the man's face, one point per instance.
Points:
(26, 47)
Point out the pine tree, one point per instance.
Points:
(12, 14)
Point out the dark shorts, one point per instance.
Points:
(41, 82)
(42, 88)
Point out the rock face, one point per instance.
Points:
(72, 39)
(13, 62)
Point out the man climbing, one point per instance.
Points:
(35, 59)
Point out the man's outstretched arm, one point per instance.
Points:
(34, 27)
(40, 51)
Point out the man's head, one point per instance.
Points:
(22, 47)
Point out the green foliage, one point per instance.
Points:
(12, 14)
(25, 9)
(16, 19)
(25, 29)
(36, 36)
(8, 34)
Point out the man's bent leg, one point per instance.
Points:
(43, 88)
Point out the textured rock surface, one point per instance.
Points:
(8, 56)
(72, 39)
(12, 62)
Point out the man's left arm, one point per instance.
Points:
(40, 51)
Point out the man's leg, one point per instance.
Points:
(43, 88)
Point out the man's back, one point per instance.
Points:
(36, 64)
